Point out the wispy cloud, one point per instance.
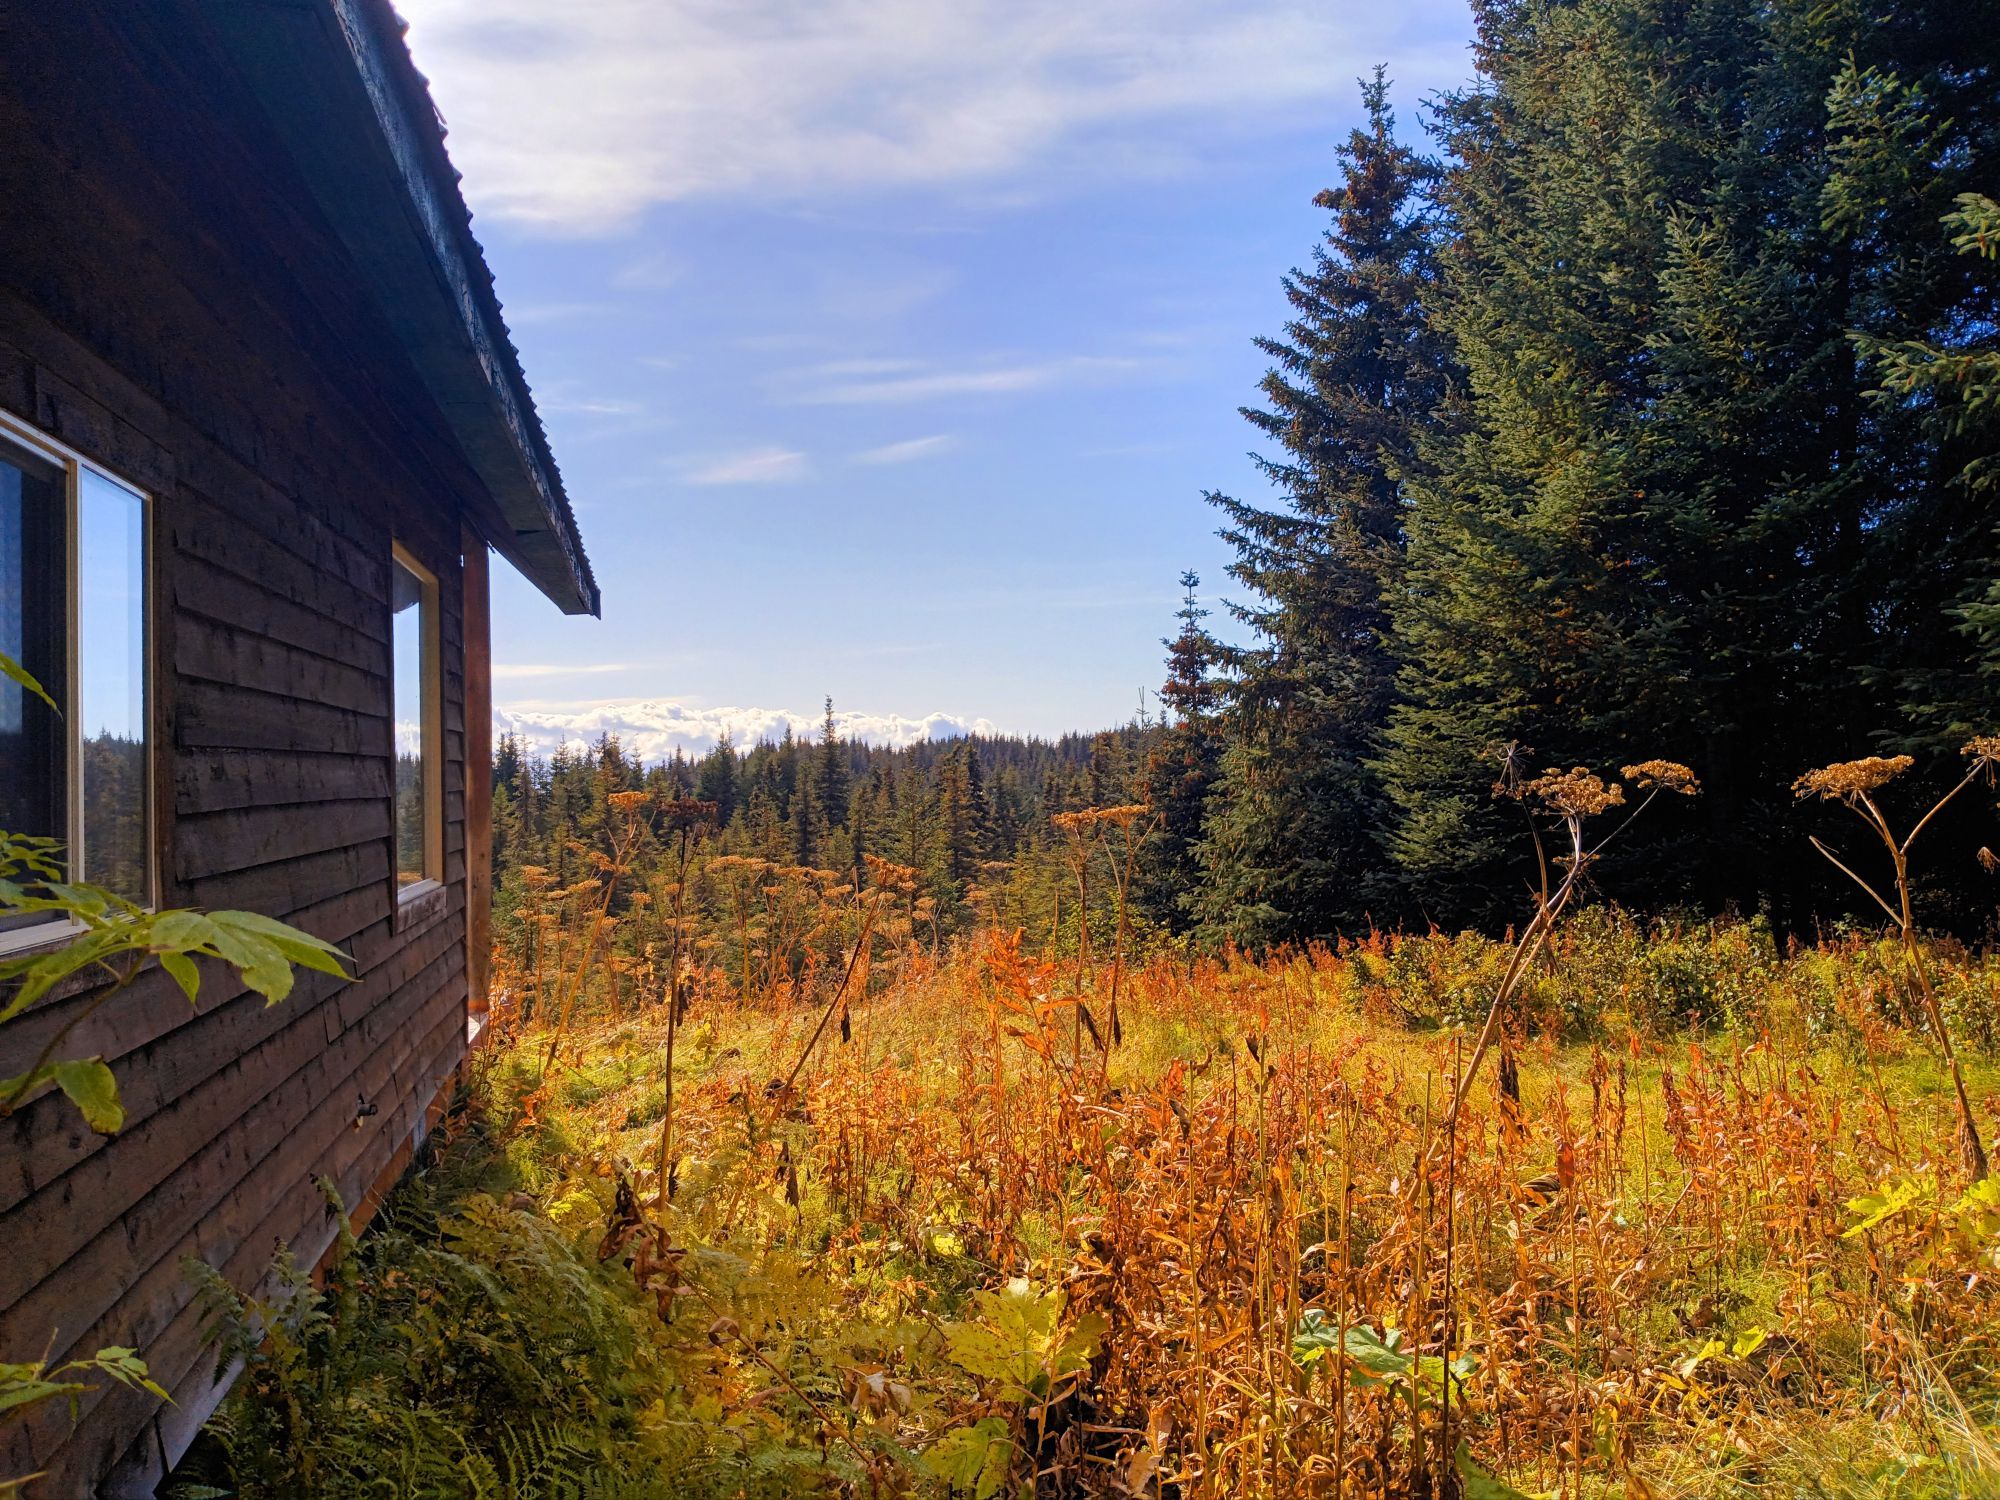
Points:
(523, 314)
(907, 451)
(761, 466)
(578, 125)
(591, 406)
(526, 669)
(821, 386)
(649, 273)
(848, 369)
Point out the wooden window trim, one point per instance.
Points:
(422, 901)
(57, 931)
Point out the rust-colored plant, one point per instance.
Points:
(1853, 784)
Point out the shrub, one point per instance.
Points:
(1701, 979)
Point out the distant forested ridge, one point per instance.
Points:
(1648, 406)
(971, 818)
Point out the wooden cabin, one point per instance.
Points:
(260, 424)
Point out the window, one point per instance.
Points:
(73, 613)
(419, 805)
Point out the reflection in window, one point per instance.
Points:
(34, 609)
(419, 842)
(73, 613)
(111, 684)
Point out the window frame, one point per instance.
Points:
(422, 898)
(73, 463)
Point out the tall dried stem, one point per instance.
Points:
(689, 821)
(615, 866)
(1573, 797)
(1852, 784)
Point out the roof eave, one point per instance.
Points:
(339, 85)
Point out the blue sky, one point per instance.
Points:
(887, 346)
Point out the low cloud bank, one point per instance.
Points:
(654, 730)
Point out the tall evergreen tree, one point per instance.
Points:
(1665, 519)
(715, 780)
(1182, 764)
(961, 814)
(1290, 848)
(832, 779)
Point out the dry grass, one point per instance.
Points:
(1647, 1259)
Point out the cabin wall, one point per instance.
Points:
(171, 306)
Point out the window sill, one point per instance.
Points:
(419, 905)
(40, 938)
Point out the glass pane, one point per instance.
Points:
(34, 610)
(111, 685)
(410, 599)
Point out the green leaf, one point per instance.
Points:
(186, 975)
(1481, 1485)
(262, 966)
(1747, 1343)
(301, 948)
(972, 1458)
(85, 900)
(18, 1390)
(42, 974)
(1011, 1336)
(1078, 1346)
(1888, 1200)
(265, 950)
(1711, 1349)
(93, 1090)
(25, 852)
(13, 671)
(1374, 1358)
(86, 1080)
(124, 1365)
(183, 931)
(1978, 1210)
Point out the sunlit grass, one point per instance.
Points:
(1654, 1192)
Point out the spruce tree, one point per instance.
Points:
(1182, 765)
(1290, 848)
(1666, 519)
(961, 815)
(831, 780)
(716, 780)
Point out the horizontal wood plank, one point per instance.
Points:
(244, 838)
(226, 779)
(210, 716)
(206, 650)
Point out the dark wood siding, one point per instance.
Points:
(170, 306)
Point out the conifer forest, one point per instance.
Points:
(1517, 1014)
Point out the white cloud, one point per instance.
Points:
(592, 406)
(846, 369)
(580, 117)
(653, 272)
(654, 729)
(763, 466)
(907, 451)
(826, 385)
(521, 669)
(524, 314)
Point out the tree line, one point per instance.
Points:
(971, 820)
(1647, 406)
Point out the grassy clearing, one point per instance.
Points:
(1231, 1250)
